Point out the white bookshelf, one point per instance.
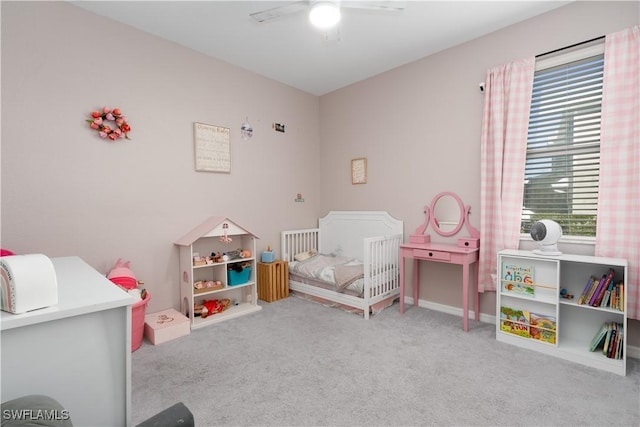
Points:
(575, 324)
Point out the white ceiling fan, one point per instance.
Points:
(326, 13)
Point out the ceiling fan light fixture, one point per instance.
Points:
(324, 14)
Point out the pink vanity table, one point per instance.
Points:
(464, 252)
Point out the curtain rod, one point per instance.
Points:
(569, 47)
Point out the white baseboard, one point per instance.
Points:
(632, 351)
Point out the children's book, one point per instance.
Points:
(607, 280)
(605, 298)
(599, 336)
(621, 296)
(616, 341)
(587, 288)
(592, 290)
(607, 338)
(619, 352)
(612, 342)
(518, 279)
(543, 327)
(594, 296)
(514, 321)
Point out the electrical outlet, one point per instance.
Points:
(278, 127)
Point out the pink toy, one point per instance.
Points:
(6, 252)
(122, 275)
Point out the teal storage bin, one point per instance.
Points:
(235, 278)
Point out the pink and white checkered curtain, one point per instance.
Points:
(618, 227)
(507, 102)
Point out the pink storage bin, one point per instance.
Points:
(137, 322)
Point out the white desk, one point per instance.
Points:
(77, 352)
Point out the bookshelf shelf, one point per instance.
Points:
(535, 316)
(588, 307)
(540, 299)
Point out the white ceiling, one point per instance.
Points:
(290, 51)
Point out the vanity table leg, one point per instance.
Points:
(416, 280)
(402, 262)
(465, 297)
(476, 292)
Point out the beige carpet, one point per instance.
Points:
(298, 363)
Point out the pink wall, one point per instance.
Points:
(66, 192)
(419, 127)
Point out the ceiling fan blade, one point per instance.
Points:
(383, 5)
(278, 12)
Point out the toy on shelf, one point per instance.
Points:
(218, 257)
(225, 237)
(240, 266)
(564, 294)
(211, 307)
(198, 260)
(207, 285)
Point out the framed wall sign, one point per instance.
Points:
(212, 148)
(359, 170)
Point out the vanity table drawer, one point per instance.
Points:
(425, 253)
(469, 242)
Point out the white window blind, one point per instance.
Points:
(563, 146)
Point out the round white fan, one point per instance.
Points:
(333, 6)
(547, 233)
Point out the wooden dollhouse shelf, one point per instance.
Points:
(217, 235)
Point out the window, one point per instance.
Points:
(563, 145)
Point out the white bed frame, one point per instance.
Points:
(373, 237)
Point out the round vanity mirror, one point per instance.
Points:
(447, 213)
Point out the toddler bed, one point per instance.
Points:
(351, 260)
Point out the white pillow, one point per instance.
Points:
(303, 256)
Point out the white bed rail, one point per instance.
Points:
(297, 241)
(381, 266)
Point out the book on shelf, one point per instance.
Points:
(515, 322)
(594, 296)
(605, 298)
(518, 279)
(598, 338)
(586, 290)
(612, 342)
(607, 338)
(603, 292)
(610, 337)
(621, 296)
(602, 287)
(619, 352)
(615, 349)
(615, 302)
(592, 290)
(542, 327)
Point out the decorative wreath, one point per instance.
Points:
(99, 121)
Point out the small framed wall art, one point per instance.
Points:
(212, 148)
(359, 170)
